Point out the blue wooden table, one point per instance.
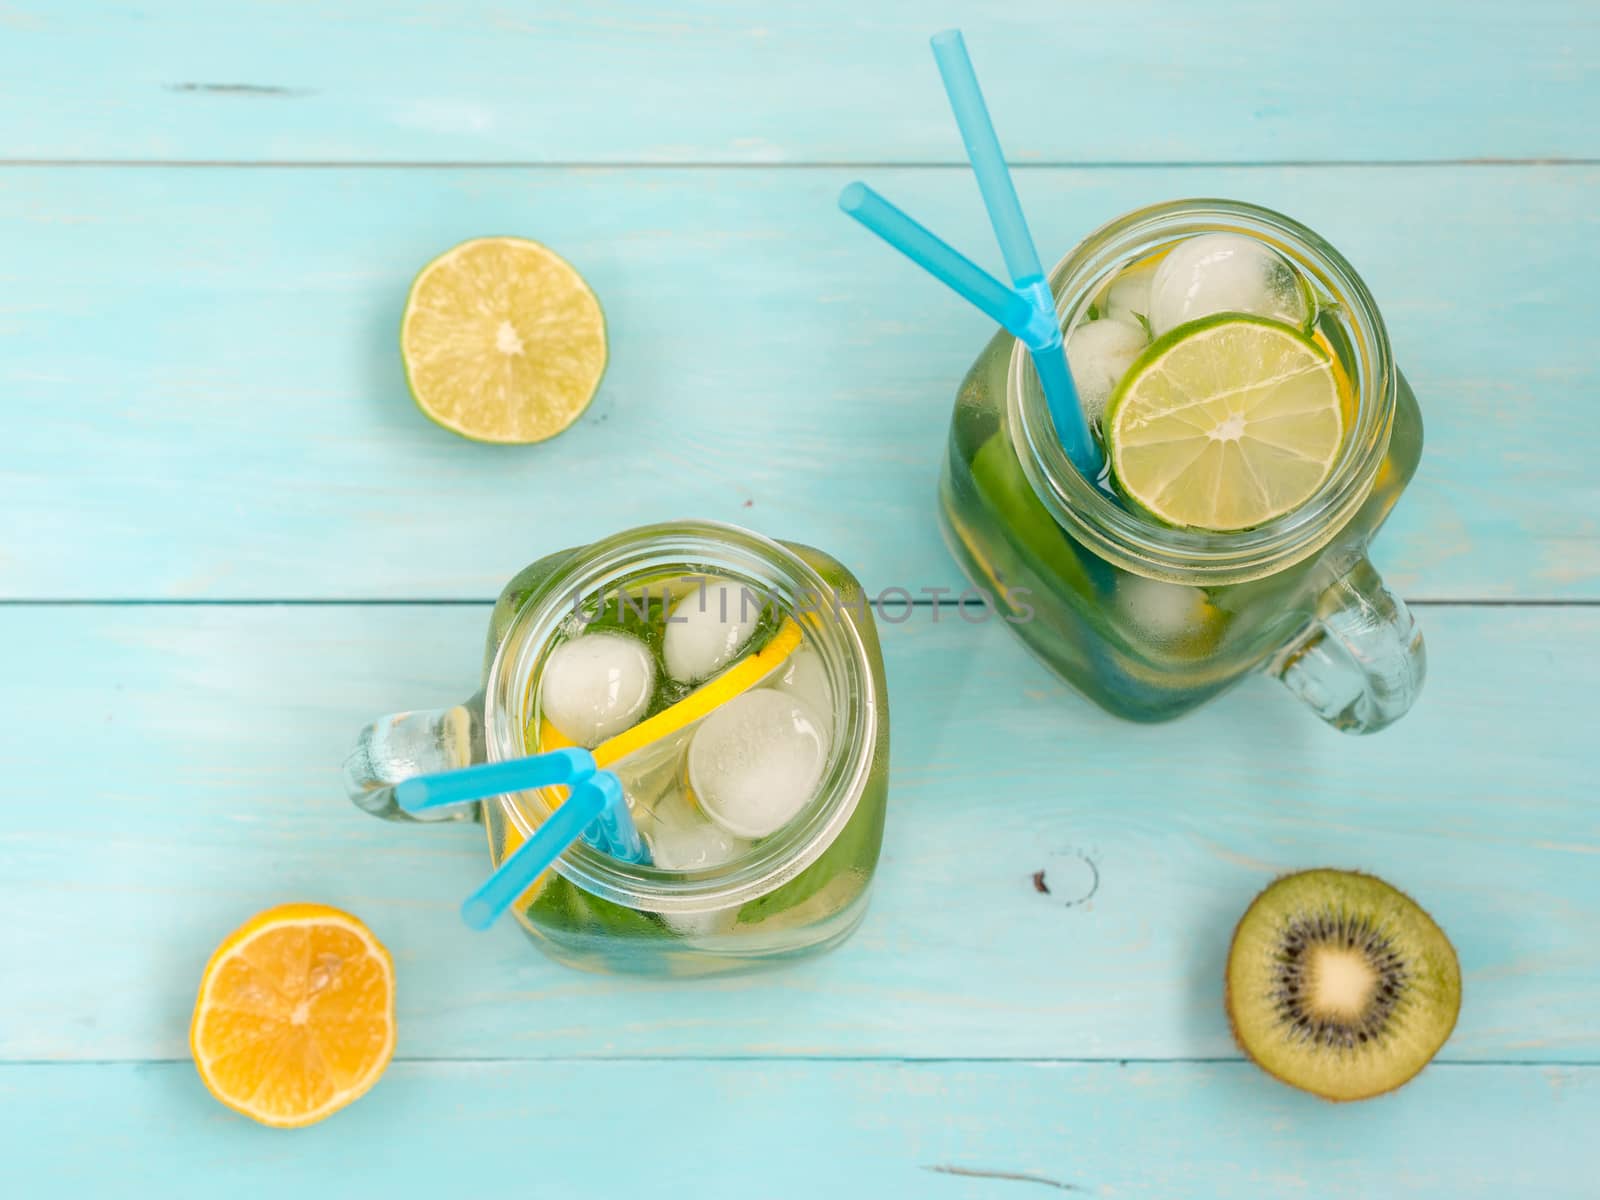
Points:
(231, 539)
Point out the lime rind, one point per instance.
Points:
(1313, 305)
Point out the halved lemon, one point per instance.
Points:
(1225, 423)
(502, 341)
(295, 1017)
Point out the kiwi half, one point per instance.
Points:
(1340, 984)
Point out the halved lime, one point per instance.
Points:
(502, 341)
(1225, 423)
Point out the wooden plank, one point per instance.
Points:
(944, 1131)
(203, 398)
(172, 770)
(828, 80)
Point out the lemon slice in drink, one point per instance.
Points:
(1226, 423)
(502, 341)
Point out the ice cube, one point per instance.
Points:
(597, 685)
(756, 761)
(1100, 353)
(803, 676)
(1225, 272)
(708, 627)
(1164, 613)
(682, 839)
(1128, 297)
(707, 924)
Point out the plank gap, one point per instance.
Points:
(469, 602)
(1272, 164)
(845, 1059)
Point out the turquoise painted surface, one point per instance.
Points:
(214, 792)
(223, 347)
(944, 1131)
(203, 415)
(822, 80)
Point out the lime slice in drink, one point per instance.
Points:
(999, 479)
(502, 341)
(1225, 423)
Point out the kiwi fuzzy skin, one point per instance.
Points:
(1227, 987)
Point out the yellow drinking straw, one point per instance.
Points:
(701, 702)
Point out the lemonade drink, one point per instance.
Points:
(762, 811)
(1238, 375)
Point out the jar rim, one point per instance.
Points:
(699, 547)
(1138, 544)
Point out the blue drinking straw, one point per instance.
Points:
(1003, 305)
(427, 792)
(988, 163)
(1027, 309)
(1031, 322)
(591, 797)
(614, 831)
(1016, 244)
(595, 810)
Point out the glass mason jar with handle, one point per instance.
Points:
(1151, 620)
(762, 896)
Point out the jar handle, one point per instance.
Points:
(1360, 663)
(405, 744)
